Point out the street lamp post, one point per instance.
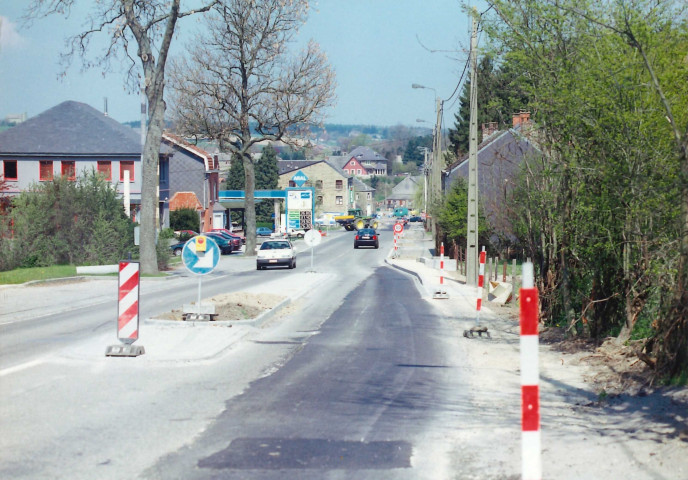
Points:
(435, 177)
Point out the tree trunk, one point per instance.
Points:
(249, 204)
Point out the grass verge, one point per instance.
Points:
(23, 275)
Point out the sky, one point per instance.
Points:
(378, 49)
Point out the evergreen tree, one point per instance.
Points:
(267, 177)
(499, 97)
(236, 178)
(267, 173)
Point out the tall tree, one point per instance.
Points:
(239, 72)
(601, 205)
(267, 172)
(136, 29)
(499, 96)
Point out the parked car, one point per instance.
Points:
(273, 253)
(223, 243)
(177, 248)
(236, 241)
(366, 237)
(224, 230)
(263, 231)
(415, 218)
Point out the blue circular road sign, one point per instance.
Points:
(201, 263)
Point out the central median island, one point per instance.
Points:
(232, 307)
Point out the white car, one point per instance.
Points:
(276, 253)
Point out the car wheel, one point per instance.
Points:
(258, 267)
(177, 252)
(377, 246)
(293, 265)
(355, 246)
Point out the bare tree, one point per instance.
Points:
(239, 79)
(136, 29)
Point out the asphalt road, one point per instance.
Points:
(357, 378)
(356, 400)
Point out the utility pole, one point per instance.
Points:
(472, 223)
(437, 164)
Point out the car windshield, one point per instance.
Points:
(274, 245)
(366, 231)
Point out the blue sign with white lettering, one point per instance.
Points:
(299, 178)
(201, 263)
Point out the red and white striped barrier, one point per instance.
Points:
(531, 467)
(128, 306)
(395, 244)
(441, 292)
(441, 264)
(127, 312)
(479, 288)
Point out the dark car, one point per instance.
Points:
(231, 234)
(177, 248)
(223, 243)
(235, 241)
(366, 237)
(415, 218)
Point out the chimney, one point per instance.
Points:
(489, 128)
(521, 119)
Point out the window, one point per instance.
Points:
(10, 169)
(339, 185)
(319, 200)
(358, 171)
(69, 170)
(105, 169)
(127, 166)
(45, 170)
(319, 184)
(339, 200)
(164, 170)
(368, 195)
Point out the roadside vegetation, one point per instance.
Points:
(603, 209)
(65, 222)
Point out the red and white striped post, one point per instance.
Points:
(531, 467)
(128, 305)
(441, 292)
(127, 312)
(441, 264)
(395, 245)
(479, 288)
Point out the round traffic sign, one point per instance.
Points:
(312, 238)
(201, 263)
(398, 228)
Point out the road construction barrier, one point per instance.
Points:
(479, 288)
(531, 461)
(441, 292)
(127, 312)
(128, 306)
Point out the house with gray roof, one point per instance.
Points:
(403, 194)
(72, 138)
(499, 159)
(365, 162)
(67, 140)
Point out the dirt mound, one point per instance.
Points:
(233, 306)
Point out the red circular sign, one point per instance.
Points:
(398, 228)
